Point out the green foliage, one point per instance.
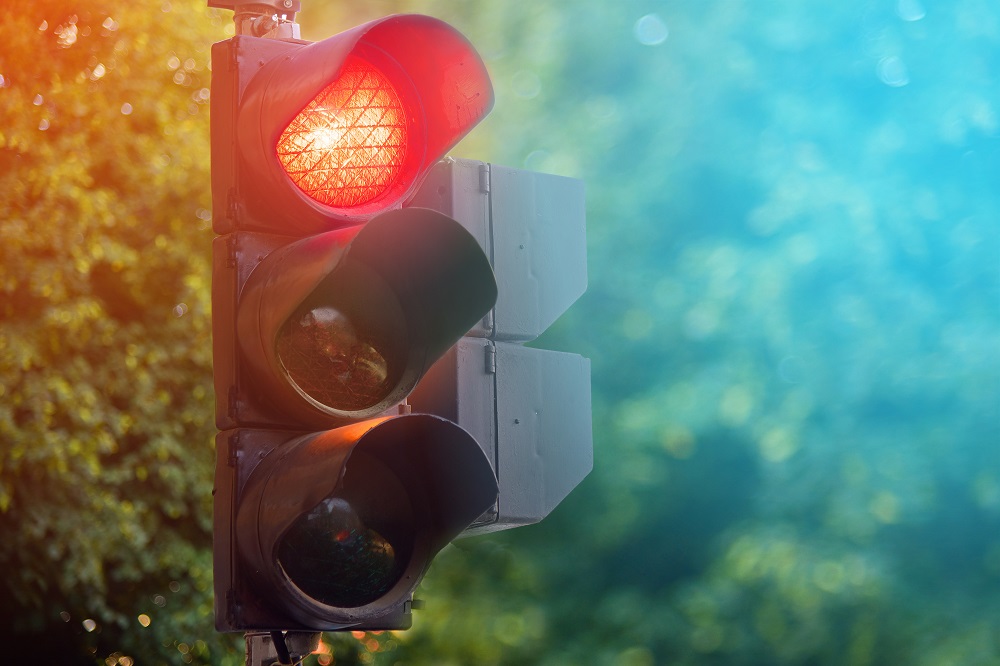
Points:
(105, 350)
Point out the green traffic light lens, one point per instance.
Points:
(352, 548)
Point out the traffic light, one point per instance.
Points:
(330, 303)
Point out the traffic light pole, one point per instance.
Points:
(266, 648)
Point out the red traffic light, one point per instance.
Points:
(349, 144)
(333, 132)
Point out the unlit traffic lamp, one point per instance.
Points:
(334, 529)
(330, 302)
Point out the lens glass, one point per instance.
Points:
(353, 547)
(346, 346)
(331, 360)
(348, 145)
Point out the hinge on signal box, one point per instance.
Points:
(484, 178)
(234, 55)
(232, 456)
(233, 400)
(491, 360)
(231, 263)
(232, 204)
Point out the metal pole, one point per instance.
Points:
(265, 648)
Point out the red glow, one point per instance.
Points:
(347, 146)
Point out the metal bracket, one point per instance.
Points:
(278, 6)
(293, 646)
(271, 19)
(233, 453)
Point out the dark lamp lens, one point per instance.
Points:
(329, 360)
(352, 547)
(345, 347)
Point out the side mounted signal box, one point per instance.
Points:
(531, 225)
(529, 408)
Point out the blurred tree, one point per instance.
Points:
(105, 352)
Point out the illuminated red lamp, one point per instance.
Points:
(337, 131)
(348, 145)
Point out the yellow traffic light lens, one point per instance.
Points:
(348, 145)
(352, 548)
(331, 361)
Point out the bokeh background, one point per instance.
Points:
(793, 319)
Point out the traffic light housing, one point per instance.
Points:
(330, 302)
(353, 268)
(334, 529)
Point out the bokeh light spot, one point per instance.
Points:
(778, 444)
(885, 507)
(650, 30)
(892, 72)
(735, 405)
(526, 84)
(678, 441)
(637, 324)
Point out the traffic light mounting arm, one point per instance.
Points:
(274, 19)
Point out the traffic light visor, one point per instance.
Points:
(341, 525)
(345, 128)
(341, 325)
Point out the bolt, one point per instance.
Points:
(287, 4)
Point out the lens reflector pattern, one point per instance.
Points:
(348, 145)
